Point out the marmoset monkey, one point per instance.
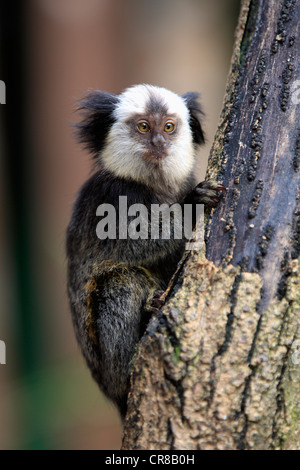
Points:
(144, 143)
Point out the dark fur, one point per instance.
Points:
(111, 283)
(196, 113)
(96, 108)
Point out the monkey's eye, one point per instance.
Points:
(143, 127)
(169, 127)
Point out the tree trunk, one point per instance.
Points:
(219, 367)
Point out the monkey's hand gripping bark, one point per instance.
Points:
(207, 193)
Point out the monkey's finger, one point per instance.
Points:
(211, 185)
(206, 192)
(220, 187)
(155, 311)
(158, 303)
(157, 300)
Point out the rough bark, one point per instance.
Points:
(219, 367)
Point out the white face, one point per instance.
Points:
(151, 141)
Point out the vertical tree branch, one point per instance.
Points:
(218, 369)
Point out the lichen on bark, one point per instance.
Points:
(219, 367)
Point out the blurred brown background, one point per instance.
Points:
(51, 52)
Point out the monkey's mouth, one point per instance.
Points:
(155, 157)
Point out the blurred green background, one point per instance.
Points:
(51, 52)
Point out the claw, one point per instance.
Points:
(208, 193)
(157, 301)
(155, 311)
(220, 187)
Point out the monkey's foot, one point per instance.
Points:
(209, 193)
(157, 301)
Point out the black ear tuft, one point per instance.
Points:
(191, 99)
(97, 111)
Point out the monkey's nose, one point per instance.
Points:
(158, 140)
